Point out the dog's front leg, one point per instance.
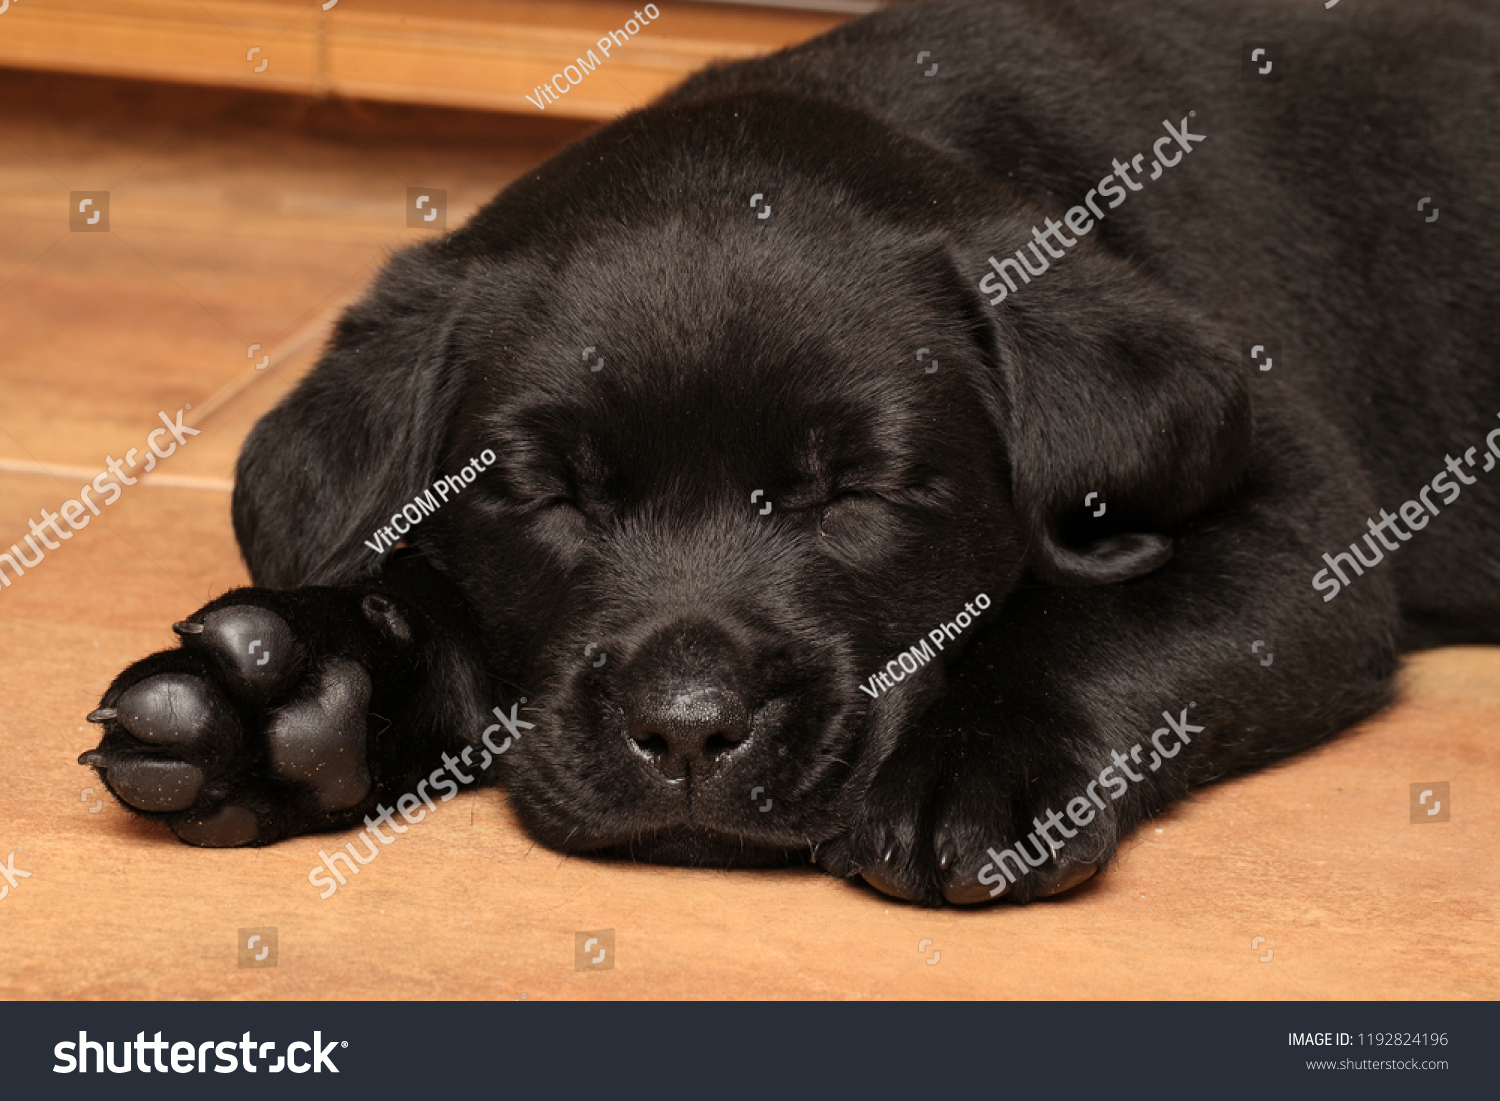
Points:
(1081, 711)
(295, 711)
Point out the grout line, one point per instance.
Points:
(299, 340)
(171, 481)
(187, 481)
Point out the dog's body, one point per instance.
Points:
(786, 269)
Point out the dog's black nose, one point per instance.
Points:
(685, 730)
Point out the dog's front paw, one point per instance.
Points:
(246, 733)
(977, 817)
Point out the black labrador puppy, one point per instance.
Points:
(929, 451)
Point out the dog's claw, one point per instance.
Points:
(101, 715)
(959, 880)
(887, 885)
(883, 876)
(1072, 879)
(93, 758)
(186, 627)
(968, 891)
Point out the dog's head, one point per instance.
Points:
(742, 462)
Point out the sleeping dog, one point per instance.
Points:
(927, 452)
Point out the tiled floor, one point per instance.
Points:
(238, 220)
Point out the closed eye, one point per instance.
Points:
(814, 501)
(886, 495)
(527, 506)
(848, 504)
(846, 495)
(589, 507)
(890, 500)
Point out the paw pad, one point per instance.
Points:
(320, 740)
(222, 829)
(179, 710)
(253, 647)
(156, 783)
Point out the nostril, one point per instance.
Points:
(721, 741)
(651, 742)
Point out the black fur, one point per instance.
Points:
(726, 724)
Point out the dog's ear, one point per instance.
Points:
(1121, 414)
(359, 436)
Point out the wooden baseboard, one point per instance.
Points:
(488, 54)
